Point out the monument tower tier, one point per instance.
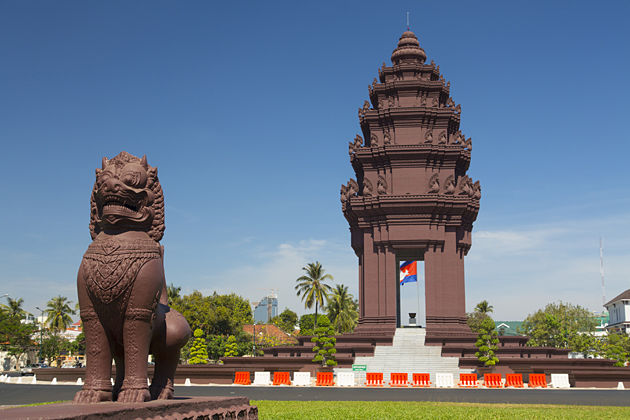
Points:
(411, 199)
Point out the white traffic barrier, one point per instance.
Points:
(345, 379)
(79, 381)
(262, 378)
(34, 380)
(560, 380)
(19, 380)
(54, 381)
(301, 378)
(444, 380)
(620, 385)
(187, 383)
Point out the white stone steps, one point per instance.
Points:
(409, 354)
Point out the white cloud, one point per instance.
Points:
(519, 271)
(276, 270)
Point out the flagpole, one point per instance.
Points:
(418, 293)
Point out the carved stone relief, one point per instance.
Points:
(464, 186)
(476, 190)
(344, 193)
(354, 146)
(428, 136)
(368, 189)
(381, 185)
(468, 144)
(449, 185)
(434, 184)
(373, 140)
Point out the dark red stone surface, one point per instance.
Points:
(412, 198)
(122, 288)
(175, 409)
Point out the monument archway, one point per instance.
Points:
(410, 297)
(411, 196)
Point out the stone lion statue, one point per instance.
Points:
(122, 289)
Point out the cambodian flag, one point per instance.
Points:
(408, 272)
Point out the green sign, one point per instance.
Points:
(359, 367)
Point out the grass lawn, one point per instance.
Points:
(304, 410)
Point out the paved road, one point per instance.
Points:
(12, 394)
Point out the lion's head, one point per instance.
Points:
(127, 196)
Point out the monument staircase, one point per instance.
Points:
(408, 353)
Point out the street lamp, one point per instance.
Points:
(41, 332)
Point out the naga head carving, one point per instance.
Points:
(127, 195)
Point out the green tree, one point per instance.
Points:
(307, 323)
(52, 347)
(487, 338)
(286, 321)
(59, 311)
(487, 342)
(230, 313)
(584, 343)
(616, 346)
(78, 344)
(198, 351)
(215, 314)
(173, 294)
(558, 325)
(197, 309)
(324, 340)
(15, 335)
(216, 346)
(13, 308)
(484, 307)
(480, 314)
(312, 286)
(343, 310)
(231, 347)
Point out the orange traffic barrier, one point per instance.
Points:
(242, 378)
(468, 380)
(422, 380)
(282, 378)
(537, 380)
(324, 379)
(374, 378)
(492, 380)
(514, 380)
(399, 379)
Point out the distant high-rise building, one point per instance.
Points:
(266, 309)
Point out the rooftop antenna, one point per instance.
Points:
(601, 268)
(407, 20)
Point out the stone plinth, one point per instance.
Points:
(180, 408)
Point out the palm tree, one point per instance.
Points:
(173, 293)
(483, 307)
(342, 309)
(58, 310)
(14, 308)
(312, 288)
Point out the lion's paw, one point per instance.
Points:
(88, 396)
(162, 393)
(134, 395)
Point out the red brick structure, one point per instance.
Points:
(412, 198)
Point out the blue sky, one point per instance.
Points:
(246, 108)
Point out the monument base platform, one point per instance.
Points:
(178, 408)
